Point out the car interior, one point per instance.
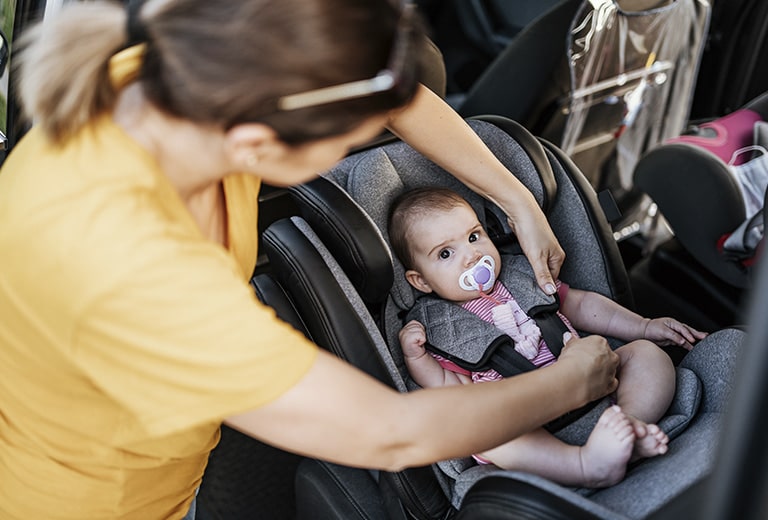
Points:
(692, 175)
(332, 270)
(590, 88)
(652, 238)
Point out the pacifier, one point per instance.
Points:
(479, 276)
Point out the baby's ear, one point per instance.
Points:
(417, 281)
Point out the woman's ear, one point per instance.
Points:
(249, 144)
(417, 281)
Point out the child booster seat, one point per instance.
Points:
(710, 188)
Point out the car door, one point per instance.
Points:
(15, 17)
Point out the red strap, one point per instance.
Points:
(746, 262)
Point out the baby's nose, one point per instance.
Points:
(473, 256)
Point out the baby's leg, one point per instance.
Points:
(601, 462)
(646, 388)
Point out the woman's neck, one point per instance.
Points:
(189, 154)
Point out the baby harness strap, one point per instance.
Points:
(474, 344)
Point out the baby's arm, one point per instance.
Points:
(593, 312)
(425, 369)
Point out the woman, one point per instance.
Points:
(128, 230)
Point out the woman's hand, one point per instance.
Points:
(593, 358)
(539, 245)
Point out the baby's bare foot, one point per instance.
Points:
(605, 455)
(651, 442)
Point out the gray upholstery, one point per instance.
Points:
(375, 177)
(656, 481)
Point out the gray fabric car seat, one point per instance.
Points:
(336, 266)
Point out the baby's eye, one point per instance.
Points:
(444, 254)
(473, 237)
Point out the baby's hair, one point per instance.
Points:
(411, 205)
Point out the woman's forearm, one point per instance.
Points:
(339, 414)
(486, 415)
(435, 129)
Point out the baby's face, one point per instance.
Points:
(444, 245)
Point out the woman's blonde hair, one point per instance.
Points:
(219, 62)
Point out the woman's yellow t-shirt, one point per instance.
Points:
(126, 336)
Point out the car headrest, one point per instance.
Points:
(349, 234)
(348, 207)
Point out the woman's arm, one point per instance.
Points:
(437, 131)
(338, 413)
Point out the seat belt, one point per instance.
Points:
(509, 362)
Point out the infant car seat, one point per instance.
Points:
(699, 195)
(335, 265)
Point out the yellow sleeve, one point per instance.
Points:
(184, 341)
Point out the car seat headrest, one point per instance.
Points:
(724, 135)
(375, 177)
(348, 232)
(374, 182)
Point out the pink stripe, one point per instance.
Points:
(482, 307)
(544, 357)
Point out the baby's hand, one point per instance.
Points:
(412, 339)
(669, 331)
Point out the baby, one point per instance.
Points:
(447, 254)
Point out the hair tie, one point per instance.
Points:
(125, 66)
(136, 31)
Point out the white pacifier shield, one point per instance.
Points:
(479, 276)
